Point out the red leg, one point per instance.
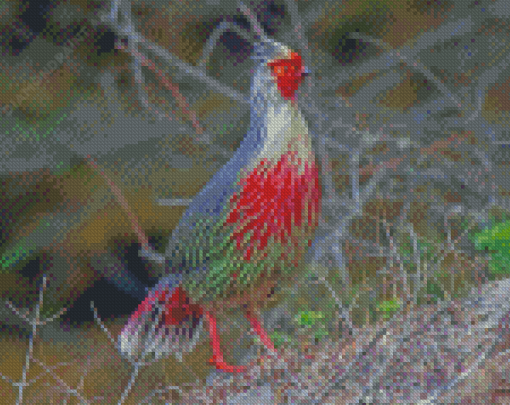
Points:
(217, 358)
(259, 329)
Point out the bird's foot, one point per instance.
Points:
(222, 366)
(217, 358)
(261, 332)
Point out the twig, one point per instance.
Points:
(100, 323)
(140, 60)
(53, 317)
(132, 380)
(167, 82)
(196, 73)
(393, 247)
(174, 202)
(8, 379)
(481, 359)
(345, 315)
(161, 391)
(60, 381)
(142, 238)
(417, 256)
(253, 22)
(30, 350)
(419, 66)
(17, 311)
(50, 368)
(213, 39)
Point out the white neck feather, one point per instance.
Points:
(277, 122)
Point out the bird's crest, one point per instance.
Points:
(268, 49)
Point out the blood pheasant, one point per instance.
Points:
(245, 234)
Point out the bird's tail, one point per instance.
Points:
(166, 322)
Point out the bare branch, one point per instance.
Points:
(130, 384)
(174, 202)
(35, 323)
(17, 311)
(161, 391)
(142, 238)
(213, 40)
(419, 66)
(60, 381)
(253, 21)
(100, 323)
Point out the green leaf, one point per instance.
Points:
(279, 338)
(320, 334)
(389, 307)
(434, 290)
(496, 241)
(14, 256)
(494, 237)
(307, 319)
(499, 264)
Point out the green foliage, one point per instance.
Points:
(428, 250)
(388, 307)
(406, 246)
(320, 333)
(279, 339)
(14, 256)
(308, 319)
(434, 291)
(495, 240)
(23, 250)
(314, 321)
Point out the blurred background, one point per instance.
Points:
(408, 105)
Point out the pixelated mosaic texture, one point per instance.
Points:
(111, 125)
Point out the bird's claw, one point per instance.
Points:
(222, 366)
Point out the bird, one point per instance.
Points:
(244, 235)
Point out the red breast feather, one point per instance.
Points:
(272, 201)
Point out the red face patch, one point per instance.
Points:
(288, 73)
